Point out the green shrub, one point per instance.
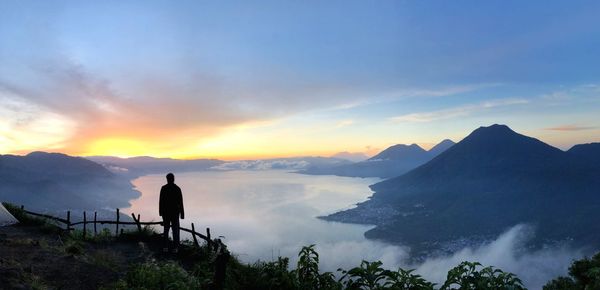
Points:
(406, 280)
(307, 271)
(368, 276)
(468, 276)
(154, 275)
(584, 274)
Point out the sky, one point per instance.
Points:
(258, 79)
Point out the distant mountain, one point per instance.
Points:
(292, 163)
(587, 153)
(354, 157)
(52, 181)
(493, 179)
(401, 152)
(142, 165)
(391, 162)
(441, 147)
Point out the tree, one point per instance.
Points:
(584, 274)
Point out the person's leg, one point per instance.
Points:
(166, 226)
(176, 231)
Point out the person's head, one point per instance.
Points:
(170, 178)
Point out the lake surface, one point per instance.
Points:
(264, 214)
(271, 213)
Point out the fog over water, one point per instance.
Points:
(264, 214)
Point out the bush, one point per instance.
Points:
(584, 274)
(467, 276)
(153, 275)
(406, 280)
(307, 271)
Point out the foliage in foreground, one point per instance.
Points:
(276, 275)
(583, 274)
(153, 275)
(468, 276)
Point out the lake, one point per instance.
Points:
(265, 214)
(269, 213)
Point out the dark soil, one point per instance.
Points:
(32, 258)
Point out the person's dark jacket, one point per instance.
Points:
(171, 201)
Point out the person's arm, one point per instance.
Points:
(161, 201)
(181, 204)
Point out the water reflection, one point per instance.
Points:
(263, 214)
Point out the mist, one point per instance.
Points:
(270, 213)
(508, 252)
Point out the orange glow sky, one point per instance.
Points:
(233, 81)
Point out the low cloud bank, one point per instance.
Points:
(263, 165)
(508, 252)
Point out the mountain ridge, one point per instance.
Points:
(393, 161)
(56, 181)
(492, 179)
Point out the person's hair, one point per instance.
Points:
(170, 177)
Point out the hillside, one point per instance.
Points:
(142, 165)
(491, 180)
(589, 153)
(391, 162)
(35, 254)
(55, 182)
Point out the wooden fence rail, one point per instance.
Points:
(136, 222)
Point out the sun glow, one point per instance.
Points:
(120, 147)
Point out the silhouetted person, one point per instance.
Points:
(170, 209)
(221, 258)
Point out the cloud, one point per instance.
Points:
(567, 128)
(24, 125)
(406, 93)
(163, 113)
(153, 114)
(509, 253)
(456, 111)
(296, 164)
(344, 123)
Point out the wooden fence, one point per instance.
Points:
(136, 221)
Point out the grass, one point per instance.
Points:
(104, 258)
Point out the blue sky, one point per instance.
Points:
(279, 78)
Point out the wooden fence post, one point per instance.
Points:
(22, 207)
(194, 236)
(117, 230)
(84, 224)
(137, 222)
(209, 243)
(68, 220)
(95, 216)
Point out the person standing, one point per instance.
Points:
(170, 208)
